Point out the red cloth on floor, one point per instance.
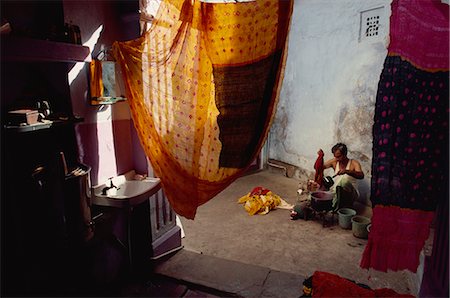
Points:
(259, 191)
(318, 166)
(326, 284)
(397, 236)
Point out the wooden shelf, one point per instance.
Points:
(15, 48)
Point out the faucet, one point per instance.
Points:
(106, 188)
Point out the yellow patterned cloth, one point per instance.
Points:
(202, 85)
(260, 204)
(261, 200)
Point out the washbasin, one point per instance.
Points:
(129, 192)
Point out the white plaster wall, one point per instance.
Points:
(329, 89)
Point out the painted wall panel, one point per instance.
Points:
(106, 139)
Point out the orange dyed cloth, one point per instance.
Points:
(202, 85)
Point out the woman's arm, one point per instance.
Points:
(330, 163)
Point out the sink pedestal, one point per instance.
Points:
(147, 225)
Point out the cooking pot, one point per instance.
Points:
(322, 200)
(328, 181)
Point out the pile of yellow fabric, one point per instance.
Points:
(260, 201)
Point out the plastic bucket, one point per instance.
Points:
(359, 226)
(345, 217)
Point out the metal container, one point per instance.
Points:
(322, 200)
(359, 226)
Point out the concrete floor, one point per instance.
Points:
(223, 229)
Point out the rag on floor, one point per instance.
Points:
(261, 200)
(324, 284)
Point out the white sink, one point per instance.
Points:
(128, 192)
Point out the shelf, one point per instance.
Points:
(40, 125)
(15, 48)
(98, 101)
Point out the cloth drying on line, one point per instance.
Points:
(203, 84)
(410, 135)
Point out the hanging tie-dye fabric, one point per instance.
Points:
(203, 85)
(410, 135)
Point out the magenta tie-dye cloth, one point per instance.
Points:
(397, 236)
(419, 32)
(410, 162)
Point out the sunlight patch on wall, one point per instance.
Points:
(106, 150)
(75, 71)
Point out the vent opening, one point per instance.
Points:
(371, 24)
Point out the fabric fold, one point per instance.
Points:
(397, 236)
(318, 167)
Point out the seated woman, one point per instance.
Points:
(346, 171)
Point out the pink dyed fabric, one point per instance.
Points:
(419, 32)
(396, 238)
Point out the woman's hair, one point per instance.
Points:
(341, 147)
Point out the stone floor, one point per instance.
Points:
(222, 229)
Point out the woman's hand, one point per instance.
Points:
(342, 172)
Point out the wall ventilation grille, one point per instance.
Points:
(372, 23)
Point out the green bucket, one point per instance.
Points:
(359, 226)
(345, 217)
